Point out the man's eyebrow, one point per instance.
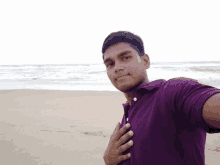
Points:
(119, 55)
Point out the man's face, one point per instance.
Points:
(125, 68)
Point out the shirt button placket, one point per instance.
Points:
(135, 99)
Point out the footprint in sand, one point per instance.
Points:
(64, 131)
(100, 133)
(12, 125)
(46, 130)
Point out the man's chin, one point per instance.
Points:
(128, 87)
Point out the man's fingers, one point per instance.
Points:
(126, 146)
(117, 127)
(124, 157)
(114, 134)
(122, 131)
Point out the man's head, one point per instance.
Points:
(123, 55)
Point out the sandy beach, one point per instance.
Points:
(57, 127)
(48, 127)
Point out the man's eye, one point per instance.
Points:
(126, 57)
(109, 64)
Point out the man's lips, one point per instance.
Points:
(121, 77)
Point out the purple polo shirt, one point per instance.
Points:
(166, 118)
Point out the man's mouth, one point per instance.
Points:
(121, 77)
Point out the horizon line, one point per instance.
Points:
(103, 63)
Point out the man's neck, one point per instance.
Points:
(130, 95)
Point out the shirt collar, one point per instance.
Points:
(146, 87)
(152, 85)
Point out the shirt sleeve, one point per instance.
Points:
(186, 97)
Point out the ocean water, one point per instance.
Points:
(93, 77)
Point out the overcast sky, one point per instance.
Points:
(69, 32)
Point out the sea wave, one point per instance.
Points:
(94, 76)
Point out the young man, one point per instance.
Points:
(168, 119)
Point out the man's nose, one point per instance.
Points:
(118, 67)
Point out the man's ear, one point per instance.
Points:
(146, 60)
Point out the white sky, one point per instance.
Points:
(68, 32)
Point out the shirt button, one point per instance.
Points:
(135, 99)
(127, 119)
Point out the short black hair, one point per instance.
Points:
(124, 36)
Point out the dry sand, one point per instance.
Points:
(43, 127)
(57, 127)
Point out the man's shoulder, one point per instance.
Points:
(180, 83)
(186, 80)
(183, 79)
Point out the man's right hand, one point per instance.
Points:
(113, 154)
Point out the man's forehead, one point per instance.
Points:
(117, 49)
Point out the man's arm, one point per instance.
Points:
(211, 111)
